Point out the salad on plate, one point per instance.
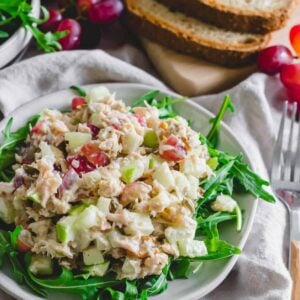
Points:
(108, 201)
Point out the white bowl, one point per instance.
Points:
(213, 272)
(12, 48)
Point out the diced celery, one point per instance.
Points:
(76, 209)
(151, 139)
(213, 163)
(131, 171)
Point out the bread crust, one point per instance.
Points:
(233, 19)
(178, 42)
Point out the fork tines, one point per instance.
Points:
(286, 162)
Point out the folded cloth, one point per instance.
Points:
(260, 272)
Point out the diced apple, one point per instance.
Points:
(193, 165)
(7, 212)
(192, 248)
(140, 224)
(224, 203)
(88, 218)
(96, 270)
(175, 235)
(65, 229)
(77, 139)
(96, 120)
(92, 256)
(131, 142)
(96, 94)
(47, 153)
(104, 204)
(160, 202)
(164, 176)
(41, 265)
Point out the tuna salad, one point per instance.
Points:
(125, 194)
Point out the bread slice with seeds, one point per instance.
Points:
(256, 16)
(177, 31)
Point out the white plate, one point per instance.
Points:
(212, 273)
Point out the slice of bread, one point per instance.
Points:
(175, 30)
(256, 16)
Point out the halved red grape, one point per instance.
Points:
(72, 40)
(94, 129)
(78, 102)
(272, 59)
(172, 149)
(94, 155)
(55, 17)
(106, 11)
(80, 164)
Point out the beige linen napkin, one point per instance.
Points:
(260, 272)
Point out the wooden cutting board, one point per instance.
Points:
(190, 76)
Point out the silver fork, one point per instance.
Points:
(285, 181)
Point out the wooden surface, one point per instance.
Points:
(295, 269)
(191, 76)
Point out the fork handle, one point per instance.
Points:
(295, 269)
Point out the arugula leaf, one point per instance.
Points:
(14, 236)
(11, 142)
(213, 182)
(213, 134)
(154, 285)
(66, 283)
(164, 105)
(3, 34)
(78, 90)
(111, 294)
(252, 182)
(18, 271)
(241, 171)
(131, 291)
(180, 268)
(148, 98)
(20, 11)
(214, 219)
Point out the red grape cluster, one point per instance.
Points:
(279, 59)
(82, 19)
